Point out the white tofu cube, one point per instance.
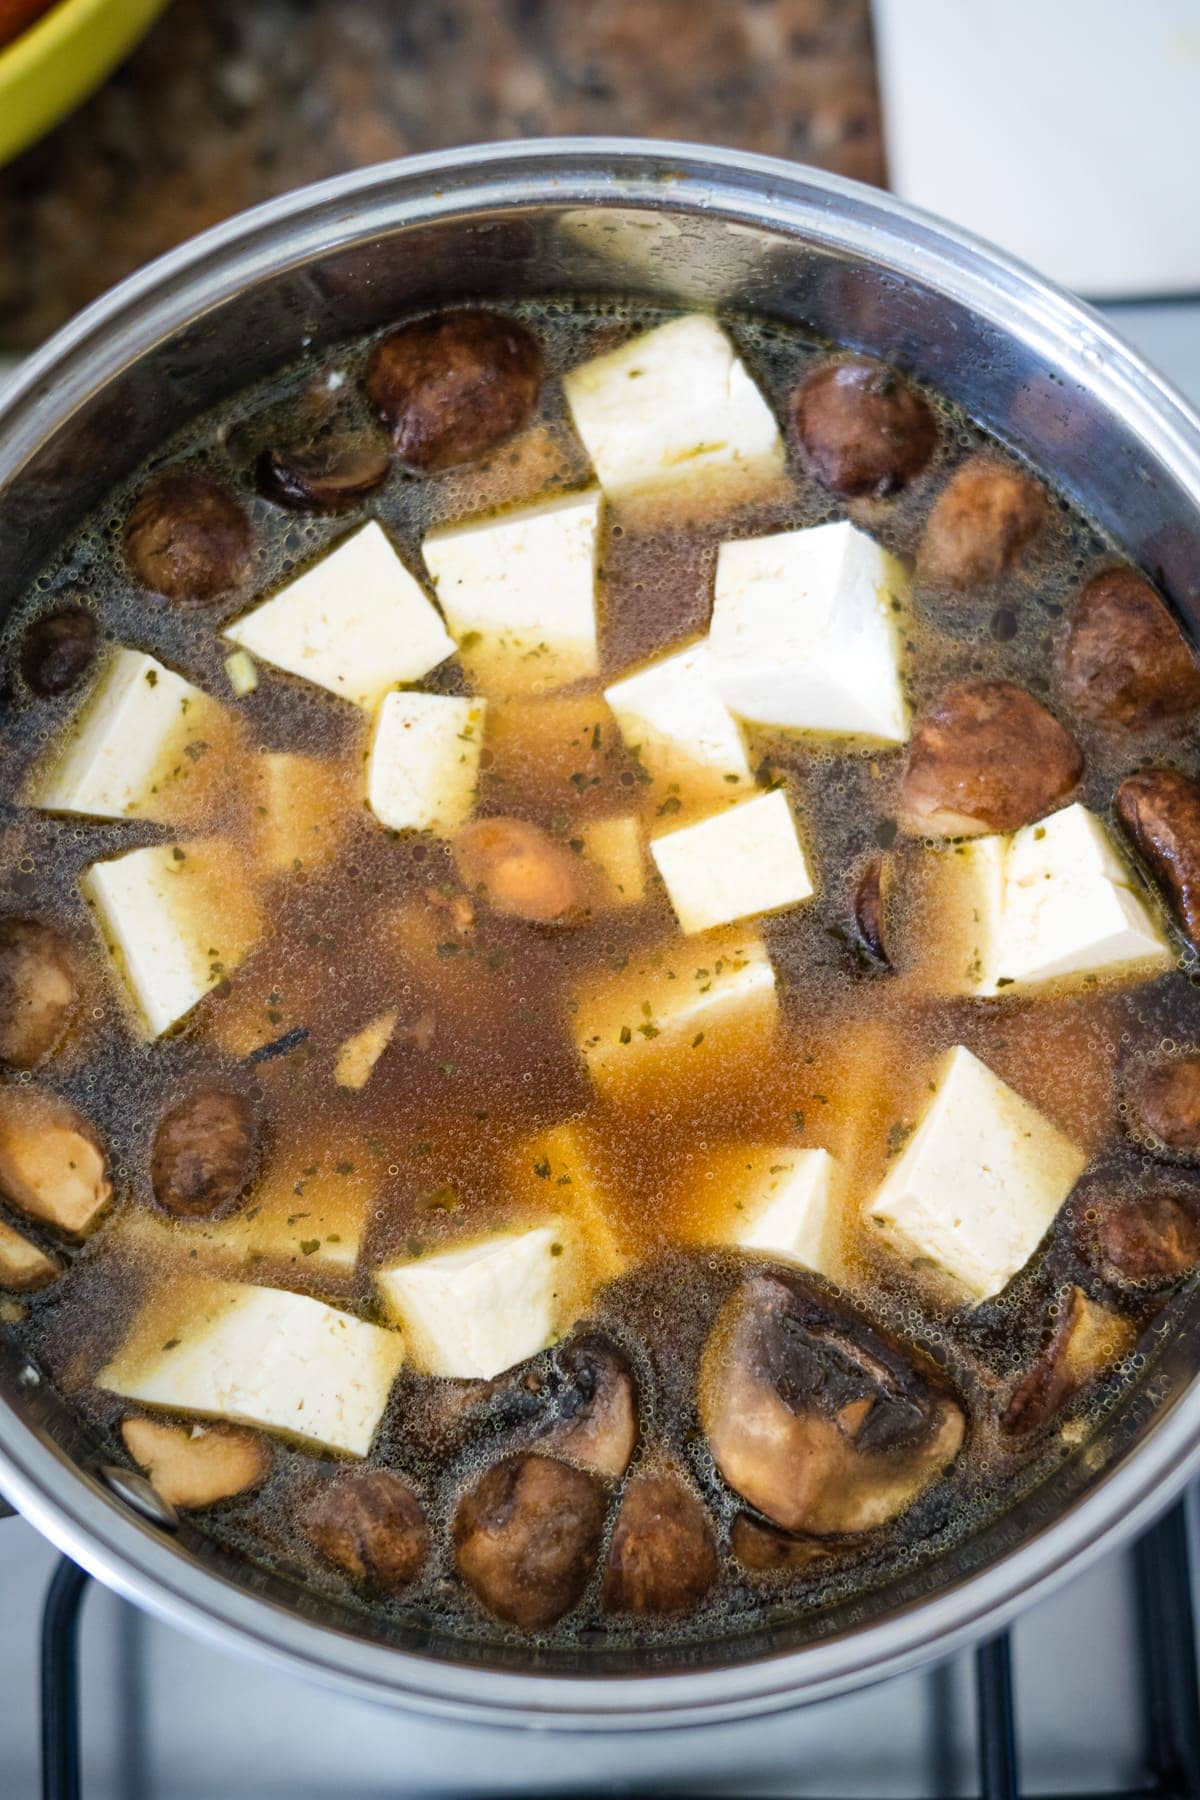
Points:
(135, 746)
(677, 1018)
(674, 415)
(519, 592)
(356, 622)
(680, 729)
(978, 1183)
(803, 634)
(777, 1202)
(479, 1309)
(176, 920)
(260, 1356)
(300, 807)
(735, 865)
(612, 848)
(423, 764)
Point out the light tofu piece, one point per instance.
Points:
(356, 1058)
(243, 676)
(735, 865)
(136, 748)
(804, 633)
(519, 593)
(673, 719)
(678, 1018)
(479, 1309)
(612, 848)
(22, 1265)
(558, 1167)
(260, 1356)
(978, 1183)
(300, 806)
(176, 920)
(423, 764)
(356, 622)
(673, 415)
(779, 1202)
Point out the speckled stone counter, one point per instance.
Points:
(228, 102)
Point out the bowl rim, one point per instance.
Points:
(75, 1513)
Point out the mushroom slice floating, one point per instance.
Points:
(521, 871)
(371, 1525)
(989, 757)
(663, 1556)
(452, 387)
(1125, 662)
(1164, 1101)
(195, 1465)
(188, 538)
(1160, 809)
(577, 1401)
(205, 1153)
(1141, 1244)
(526, 1538)
(334, 468)
(37, 991)
(863, 430)
(52, 1164)
(982, 523)
(815, 1417)
(1084, 1340)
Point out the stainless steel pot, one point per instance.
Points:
(703, 228)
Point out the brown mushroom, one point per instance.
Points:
(1160, 809)
(1125, 661)
(205, 1153)
(187, 537)
(526, 1538)
(193, 1465)
(23, 1266)
(869, 913)
(372, 1526)
(981, 525)
(37, 991)
(988, 758)
(520, 870)
(863, 430)
(58, 650)
(1141, 1242)
(577, 1400)
(334, 468)
(765, 1551)
(817, 1418)
(1082, 1341)
(51, 1160)
(663, 1557)
(1164, 1100)
(452, 387)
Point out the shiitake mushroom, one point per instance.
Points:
(1125, 662)
(526, 1538)
(862, 429)
(336, 466)
(58, 650)
(577, 1401)
(37, 991)
(981, 525)
(1160, 810)
(989, 757)
(187, 537)
(451, 387)
(205, 1153)
(662, 1558)
(519, 869)
(370, 1524)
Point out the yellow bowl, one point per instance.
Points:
(60, 59)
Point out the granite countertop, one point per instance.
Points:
(227, 103)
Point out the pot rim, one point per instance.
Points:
(69, 1507)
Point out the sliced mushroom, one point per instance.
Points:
(1083, 1340)
(58, 650)
(577, 1401)
(863, 430)
(526, 1538)
(981, 525)
(814, 1416)
(357, 1056)
(187, 537)
(663, 1556)
(23, 1266)
(1164, 1100)
(37, 991)
(205, 1153)
(336, 467)
(869, 913)
(452, 387)
(1125, 661)
(520, 870)
(1141, 1242)
(1160, 809)
(193, 1465)
(372, 1526)
(988, 758)
(765, 1551)
(51, 1160)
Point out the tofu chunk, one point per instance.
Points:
(519, 592)
(673, 415)
(673, 719)
(558, 1167)
(260, 1356)
(136, 748)
(612, 848)
(735, 865)
(978, 1183)
(476, 1310)
(22, 1265)
(803, 635)
(779, 1202)
(677, 1018)
(423, 764)
(176, 920)
(356, 622)
(300, 806)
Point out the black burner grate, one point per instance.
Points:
(1166, 1659)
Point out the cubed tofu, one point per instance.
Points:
(137, 747)
(519, 593)
(356, 622)
(675, 722)
(475, 1310)
(357, 1056)
(612, 848)
(260, 1356)
(677, 1018)
(558, 1168)
(674, 416)
(22, 1265)
(978, 1183)
(423, 764)
(300, 808)
(804, 633)
(176, 920)
(735, 865)
(778, 1201)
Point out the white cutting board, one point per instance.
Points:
(1067, 131)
